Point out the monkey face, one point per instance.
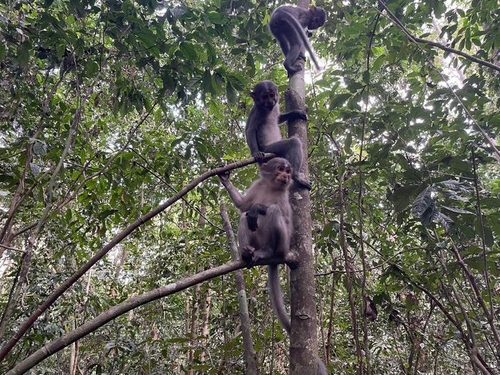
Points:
(265, 95)
(318, 18)
(267, 98)
(277, 171)
(282, 173)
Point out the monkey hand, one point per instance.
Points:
(298, 114)
(302, 182)
(247, 254)
(252, 221)
(253, 215)
(292, 260)
(224, 176)
(259, 156)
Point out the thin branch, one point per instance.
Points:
(458, 52)
(251, 367)
(477, 293)
(116, 240)
(415, 39)
(483, 234)
(366, 359)
(12, 248)
(120, 309)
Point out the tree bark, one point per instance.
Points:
(248, 347)
(303, 336)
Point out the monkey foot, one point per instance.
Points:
(302, 182)
(259, 156)
(292, 260)
(291, 72)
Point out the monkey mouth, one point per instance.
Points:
(283, 180)
(270, 104)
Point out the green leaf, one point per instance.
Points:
(338, 100)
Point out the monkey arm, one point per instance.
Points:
(295, 114)
(234, 194)
(253, 215)
(253, 144)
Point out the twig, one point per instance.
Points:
(12, 248)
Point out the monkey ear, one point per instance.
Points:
(312, 7)
(252, 95)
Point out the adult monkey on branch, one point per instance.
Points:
(303, 333)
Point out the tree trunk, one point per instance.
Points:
(248, 348)
(303, 337)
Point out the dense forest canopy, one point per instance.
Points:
(108, 109)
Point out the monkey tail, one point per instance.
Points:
(305, 40)
(277, 298)
(279, 309)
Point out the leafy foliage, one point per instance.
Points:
(109, 108)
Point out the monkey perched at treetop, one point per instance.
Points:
(287, 25)
(265, 227)
(263, 133)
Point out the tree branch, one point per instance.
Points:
(414, 39)
(458, 52)
(116, 240)
(130, 304)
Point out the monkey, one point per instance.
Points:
(287, 24)
(263, 134)
(265, 227)
(370, 309)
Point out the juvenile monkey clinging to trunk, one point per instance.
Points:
(265, 227)
(263, 133)
(287, 25)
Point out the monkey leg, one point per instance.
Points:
(247, 239)
(291, 149)
(293, 55)
(289, 43)
(276, 235)
(284, 44)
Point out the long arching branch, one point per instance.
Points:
(116, 240)
(130, 304)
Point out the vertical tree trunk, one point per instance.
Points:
(205, 308)
(73, 359)
(248, 348)
(193, 326)
(303, 338)
(197, 302)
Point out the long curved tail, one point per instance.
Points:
(277, 298)
(279, 308)
(305, 40)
